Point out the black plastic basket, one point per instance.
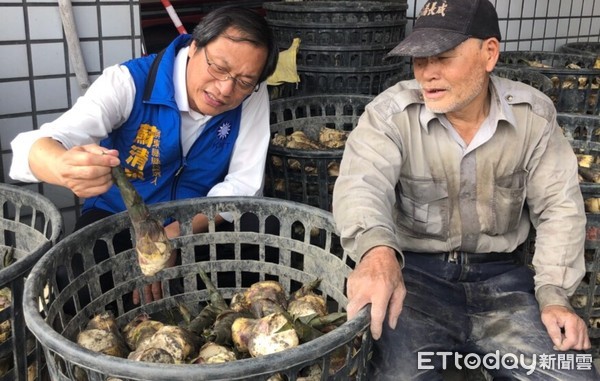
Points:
(336, 12)
(335, 81)
(291, 243)
(30, 225)
(573, 90)
(348, 34)
(306, 175)
(586, 299)
(331, 34)
(587, 48)
(343, 23)
(583, 132)
(340, 57)
(530, 77)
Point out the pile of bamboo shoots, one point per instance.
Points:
(328, 138)
(7, 259)
(571, 82)
(260, 320)
(5, 329)
(589, 172)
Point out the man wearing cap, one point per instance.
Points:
(439, 186)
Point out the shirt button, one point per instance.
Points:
(509, 98)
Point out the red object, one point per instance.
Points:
(173, 15)
(157, 25)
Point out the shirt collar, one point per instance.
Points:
(180, 84)
(500, 99)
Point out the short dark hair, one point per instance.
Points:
(254, 27)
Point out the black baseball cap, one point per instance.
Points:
(443, 24)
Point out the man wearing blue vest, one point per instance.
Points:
(190, 121)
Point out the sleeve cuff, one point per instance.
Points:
(21, 145)
(550, 295)
(377, 237)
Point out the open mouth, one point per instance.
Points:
(434, 93)
(212, 101)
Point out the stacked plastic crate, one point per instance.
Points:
(575, 75)
(342, 65)
(343, 44)
(30, 225)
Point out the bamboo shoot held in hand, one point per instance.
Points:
(152, 244)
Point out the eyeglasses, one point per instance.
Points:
(221, 74)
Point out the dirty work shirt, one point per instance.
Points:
(406, 181)
(108, 103)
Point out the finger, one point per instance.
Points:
(148, 293)
(395, 306)
(98, 150)
(111, 152)
(377, 318)
(97, 155)
(355, 299)
(570, 338)
(136, 297)
(90, 185)
(584, 340)
(379, 309)
(156, 291)
(87, 172)
(83, 188)
(554, 332)
(104, 160)
(354, 305)
(587, 344)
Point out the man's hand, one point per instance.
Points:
(377, 279)
(85, 170)
(566, 329)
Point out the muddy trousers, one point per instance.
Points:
(472, 315)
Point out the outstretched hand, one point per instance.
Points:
(377, 279)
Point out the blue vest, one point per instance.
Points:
(149, 142)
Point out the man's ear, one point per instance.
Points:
(491, 50)
(193, 49)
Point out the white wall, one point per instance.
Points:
(37, 81)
